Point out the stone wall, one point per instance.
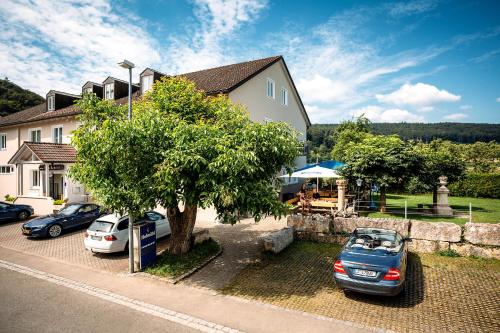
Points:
(478, 239)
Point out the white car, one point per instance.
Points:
(109, 233)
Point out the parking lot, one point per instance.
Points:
(444, 294)
(68, 248)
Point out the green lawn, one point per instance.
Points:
(483, 210)
(171, 266)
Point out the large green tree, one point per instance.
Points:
(182, 150)
(385, 160)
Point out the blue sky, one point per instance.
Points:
(413, 61)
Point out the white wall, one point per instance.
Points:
(253, 94)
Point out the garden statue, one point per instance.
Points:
(442, 207)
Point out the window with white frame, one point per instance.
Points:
(35, 178)
(51, 103)
(270, 88)
(284, 97)
(147, 83)
(57, 134)
(109, 92)
(35, 135)
(6, 169)
(3, 141)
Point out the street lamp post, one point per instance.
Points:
(359, 182)
(129, 65)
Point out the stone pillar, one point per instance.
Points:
(341, 185)
(442, 207)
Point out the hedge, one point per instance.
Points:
(477, 185)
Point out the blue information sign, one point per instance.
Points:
(148, 244)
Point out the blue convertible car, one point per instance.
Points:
(14, 212)
(372, 262)
(71, 216)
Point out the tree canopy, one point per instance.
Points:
(384, 160)
(182, 148)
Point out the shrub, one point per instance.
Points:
(448, 253)
(9, 198)
(59, 202)
(477, 185)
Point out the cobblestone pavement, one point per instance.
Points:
(444, 294)
(68, 247)
(240, 244)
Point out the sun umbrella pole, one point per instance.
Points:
(317, 184)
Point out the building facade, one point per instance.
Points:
(35, 150)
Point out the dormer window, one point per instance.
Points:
(146, 83)
(109, 92)
(51, 103)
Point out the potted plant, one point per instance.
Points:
(58, 204)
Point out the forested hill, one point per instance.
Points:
(457, 132)
(14, 98)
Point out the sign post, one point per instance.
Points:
(144, 245)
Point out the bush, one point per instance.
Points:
(59, 202)
(448, 253)
(477, 185)
(9, 198)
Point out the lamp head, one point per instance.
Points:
(126, 64)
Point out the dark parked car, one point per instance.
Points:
(72, 216)
(373, 262)
(14, 212)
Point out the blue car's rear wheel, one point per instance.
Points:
(54, 231)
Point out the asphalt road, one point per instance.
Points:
(28, 304)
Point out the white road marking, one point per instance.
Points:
(170, 315)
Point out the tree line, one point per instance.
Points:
(322, 134)
(14, 98)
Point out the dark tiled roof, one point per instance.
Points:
(22, 116)
(213, 81)
(52, 152)
(226, 78)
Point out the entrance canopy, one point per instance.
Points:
(44, 152)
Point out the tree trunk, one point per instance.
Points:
(181, 225)
(382, 199)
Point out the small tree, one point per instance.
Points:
(347, 132)
(185, 149)
(386, 160)
(438, 159)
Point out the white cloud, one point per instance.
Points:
(380, 115)
(207, 42)
(419, 95)
(465, 107)
(498, 99)
(455, 116)
(408, 8)
(59, 45)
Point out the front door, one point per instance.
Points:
(56, 184)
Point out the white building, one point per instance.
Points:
(35, 150)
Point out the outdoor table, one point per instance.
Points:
(321, 204)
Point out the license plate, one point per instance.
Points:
(364, 272)
(26, 232)
(97, 238)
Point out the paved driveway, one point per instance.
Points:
(443, 295)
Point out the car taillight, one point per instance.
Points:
(109, 238)
(338, 268)
(392, 274)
